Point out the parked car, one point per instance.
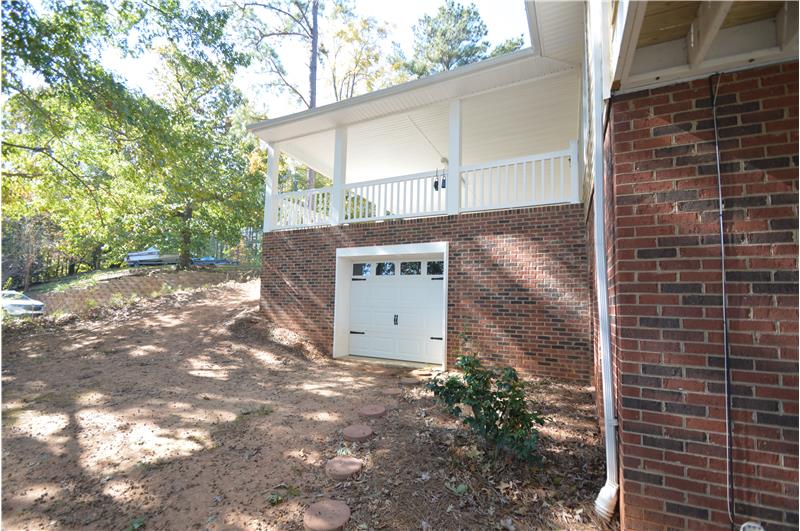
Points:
(19, 304)
(152, 256)
(210, 260)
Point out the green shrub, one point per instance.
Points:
(117, 300)
(497, 399)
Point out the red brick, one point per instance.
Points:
(760, 211)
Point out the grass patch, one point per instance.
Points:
(91, 278)
(10, 416)
(148, 466)
(79, 281)
(262, 411)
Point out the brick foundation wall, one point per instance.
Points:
(516, 284)
(668, 280)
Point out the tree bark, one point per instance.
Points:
(185, 258)
(312, 75)
(97, 254)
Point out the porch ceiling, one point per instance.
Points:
(530, 117)
(403, 129)
(665, 42)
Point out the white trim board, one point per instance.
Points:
(345, 256)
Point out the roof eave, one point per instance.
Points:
(395, 90)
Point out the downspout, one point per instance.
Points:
(606, 502)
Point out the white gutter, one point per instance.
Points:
(606, 502)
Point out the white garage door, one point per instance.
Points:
(397, 309)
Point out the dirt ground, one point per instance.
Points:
(192, 413)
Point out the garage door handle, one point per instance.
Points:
(437, 278)
(395, 319)
(437, 338)
(357, 333)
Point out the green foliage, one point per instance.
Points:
(275, 499)
(117, 300)
(111, 169)
(354, 55)
(454, 37)
(137, 523)
(458, 490)
(497, 400)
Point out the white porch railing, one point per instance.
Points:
(547, 178)
(407, 196)
(305, 208)
(525, 181)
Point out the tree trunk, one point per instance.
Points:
(312, 75)
(185, 258)
(97, 254)
(26, 274)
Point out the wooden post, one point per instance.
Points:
(271, 188)
(453, 187)
(339, 176)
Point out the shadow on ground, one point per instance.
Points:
(194, 413)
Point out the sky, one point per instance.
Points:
(504, 19)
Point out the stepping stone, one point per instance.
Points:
(341, 468)
(408, 381)
(421, 372)
(326, 515)
(357, 433)
(392, 391)
(373, 410)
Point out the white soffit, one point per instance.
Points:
(501, 71)
(558, 28)
(536, 117)
(523, 119)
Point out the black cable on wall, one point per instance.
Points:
(713, 91)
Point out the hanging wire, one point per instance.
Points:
(714, 90)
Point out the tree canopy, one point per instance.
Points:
(94, 167)
(454, 37)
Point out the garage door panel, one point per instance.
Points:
(373, 346)
(418, 303)
(412, 350)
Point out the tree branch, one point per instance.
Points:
(48, 154)
(287, 84)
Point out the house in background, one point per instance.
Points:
(563, 209)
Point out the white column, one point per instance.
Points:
(576, 185)
(339, 176)
(453, 195)
(271, 188)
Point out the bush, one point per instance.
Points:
(117, 300)
(497, 399)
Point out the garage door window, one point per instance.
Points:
(410, 268)
(436, 268)
(361, 270)
(384, 268)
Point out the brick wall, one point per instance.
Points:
(517, 283)
(668, 281)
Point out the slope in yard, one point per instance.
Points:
(192, 413)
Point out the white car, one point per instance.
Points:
(16, 303)
(152, 256)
